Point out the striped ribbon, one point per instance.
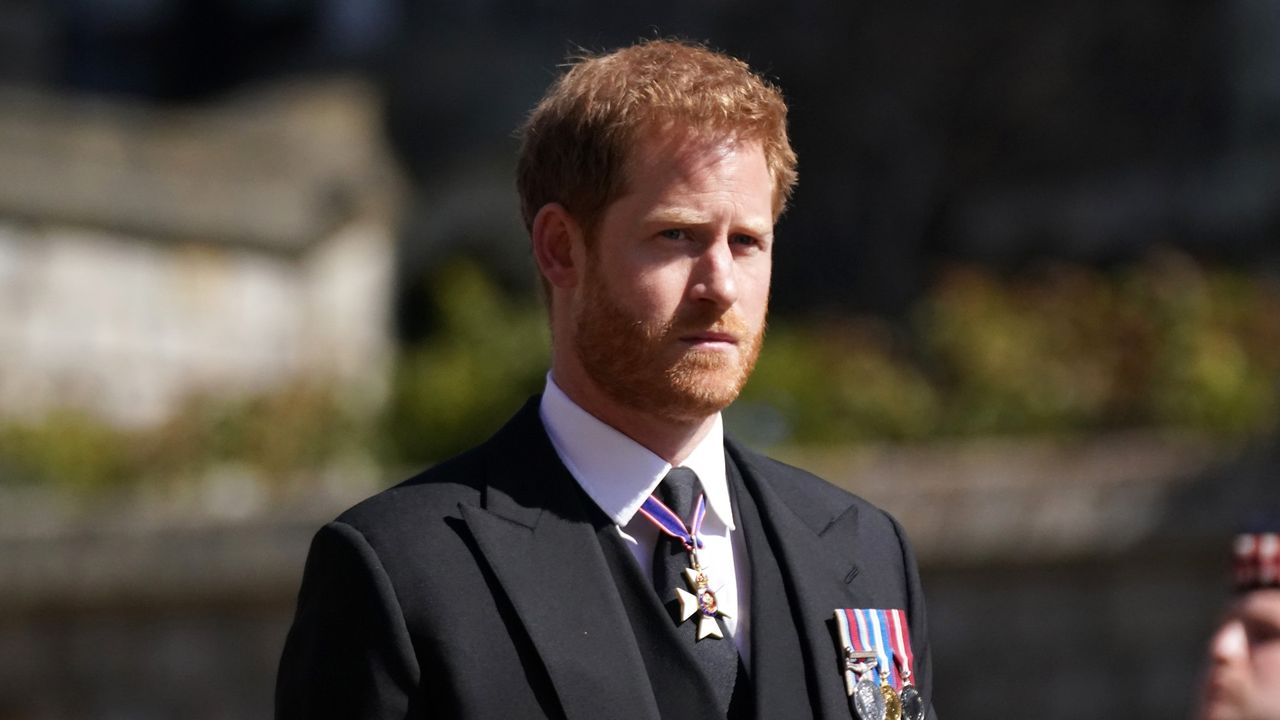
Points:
(1257, 560)
(878, 631)
(901, 637)
(670, 523)
(884, 632)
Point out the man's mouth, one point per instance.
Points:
(710, 338)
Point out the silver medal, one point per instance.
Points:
(912, 704)
(867, 700)
(855, 665)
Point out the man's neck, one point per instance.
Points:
(671, 439)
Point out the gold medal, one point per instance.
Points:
(892, 704)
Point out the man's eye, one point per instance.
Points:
(746, 240)
(674, 234)
(1261, 632)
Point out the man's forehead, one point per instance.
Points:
(678, 165)
(681, 156)
(660, 144)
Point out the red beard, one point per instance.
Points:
(643, 364)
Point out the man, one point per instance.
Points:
(533, 576)
(1243, 678)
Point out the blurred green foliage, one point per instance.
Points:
(284, 436)
(489, 354)
(67, 450)
(841, 380)
(1060, 350)
(1069, 349)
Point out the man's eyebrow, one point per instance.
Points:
(678, 216)
(686, 216)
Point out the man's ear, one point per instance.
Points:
(555, 237)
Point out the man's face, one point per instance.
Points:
(1243, 681)
(671, 312)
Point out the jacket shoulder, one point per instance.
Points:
(803, 490)
(423, 499)
(514, 457)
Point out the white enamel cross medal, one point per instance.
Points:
(700, 602)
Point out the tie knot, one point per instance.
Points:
(678, 490)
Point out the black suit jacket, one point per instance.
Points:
(478, 589)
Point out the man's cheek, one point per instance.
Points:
(1266, 665)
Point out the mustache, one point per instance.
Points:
(709, 321)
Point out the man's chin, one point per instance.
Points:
(697, 393)
(689, 410)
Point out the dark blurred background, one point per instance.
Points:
(260, 259)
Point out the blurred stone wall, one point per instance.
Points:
(146, 619)
(147, 254)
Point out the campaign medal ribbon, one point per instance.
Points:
(900, 637)
(860, 662)
(702, 601)
(878, 626)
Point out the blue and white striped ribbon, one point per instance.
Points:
(884, 629)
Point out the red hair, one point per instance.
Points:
(577, 141)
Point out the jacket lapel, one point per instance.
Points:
(814, 552)
(537, 533)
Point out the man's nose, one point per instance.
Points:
(714, 276)
(1229, 642)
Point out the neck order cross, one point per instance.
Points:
(680, 485)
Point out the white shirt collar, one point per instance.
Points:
(617, 472)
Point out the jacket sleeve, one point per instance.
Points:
(348, 653)
(918, 622)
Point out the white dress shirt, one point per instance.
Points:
(619, 474)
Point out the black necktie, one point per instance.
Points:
(718, 657)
